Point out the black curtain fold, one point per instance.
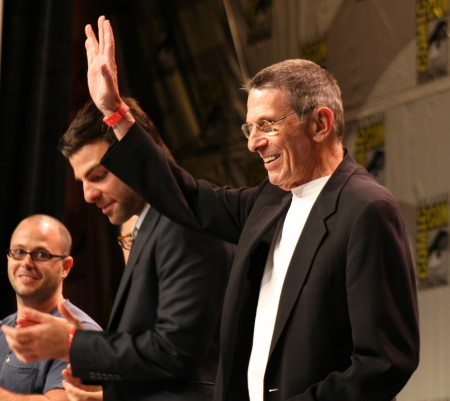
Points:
(184, 77)
(33, 114)
(43, 84)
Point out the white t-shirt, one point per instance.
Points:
(280, 254)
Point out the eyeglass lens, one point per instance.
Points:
(38, 256)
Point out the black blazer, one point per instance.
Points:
(159, 344)
(347, 326)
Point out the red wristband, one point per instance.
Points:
(115, 117)
(71, 334)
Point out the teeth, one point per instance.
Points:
(269, 159)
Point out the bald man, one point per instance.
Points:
(38, 262)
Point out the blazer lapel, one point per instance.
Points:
(299, 267)
(139, 243)
(313, 233)
(259, 228)
(261, 225)
(265, 221)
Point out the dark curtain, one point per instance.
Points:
(34, 98)
(42, 84)
(175, 57)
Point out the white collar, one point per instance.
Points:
(140, 219)
(310, 187)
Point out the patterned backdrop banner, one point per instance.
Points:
(431, 39)
(432, 229)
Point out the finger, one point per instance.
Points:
(20, 341)
(109, 44)
(68, 315)
(67, 373)
(29, 314)
(101, 41)
(67, 385)
(9, 332)
(71, 389)
(10, 335)
(25, 322)
(91, 44)
(17, 335)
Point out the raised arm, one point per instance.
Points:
(102, 74)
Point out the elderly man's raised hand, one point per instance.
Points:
(102, 73)
(102, 69)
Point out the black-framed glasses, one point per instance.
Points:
(266, 126)
(37, 256)
(125, 241)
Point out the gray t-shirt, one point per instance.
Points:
(37, 377)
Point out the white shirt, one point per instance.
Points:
(280, 254)
(139, 221)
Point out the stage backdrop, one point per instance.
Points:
(391, 60)
(186, 60)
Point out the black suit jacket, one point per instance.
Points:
(347, 326)
(159, 344)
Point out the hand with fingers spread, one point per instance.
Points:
(102, 73)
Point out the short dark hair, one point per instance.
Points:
(88, 126)
(306, 85)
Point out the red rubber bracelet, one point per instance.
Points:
(71, 334)
(115, 117)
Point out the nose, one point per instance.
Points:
(91, 193)
(27, 261)
(256, 140)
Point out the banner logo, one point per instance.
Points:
(432, 242)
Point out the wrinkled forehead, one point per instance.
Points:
(266, 103)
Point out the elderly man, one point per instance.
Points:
(38, 262)
(321, 300)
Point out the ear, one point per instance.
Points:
(67, 266)
(324, 124)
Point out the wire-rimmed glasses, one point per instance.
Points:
(266, 126)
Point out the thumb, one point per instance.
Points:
(69, 316)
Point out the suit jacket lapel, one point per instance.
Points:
(259, 228)
(141, 240)
(312, 235)
(265, 220)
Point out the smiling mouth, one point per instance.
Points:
(269, 159)
(106, 208)
(27, 277)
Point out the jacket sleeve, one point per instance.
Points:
(144, 166)
(382, 307)
(191, 274)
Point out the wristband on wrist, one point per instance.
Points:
(115, 117)
(70, 339)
